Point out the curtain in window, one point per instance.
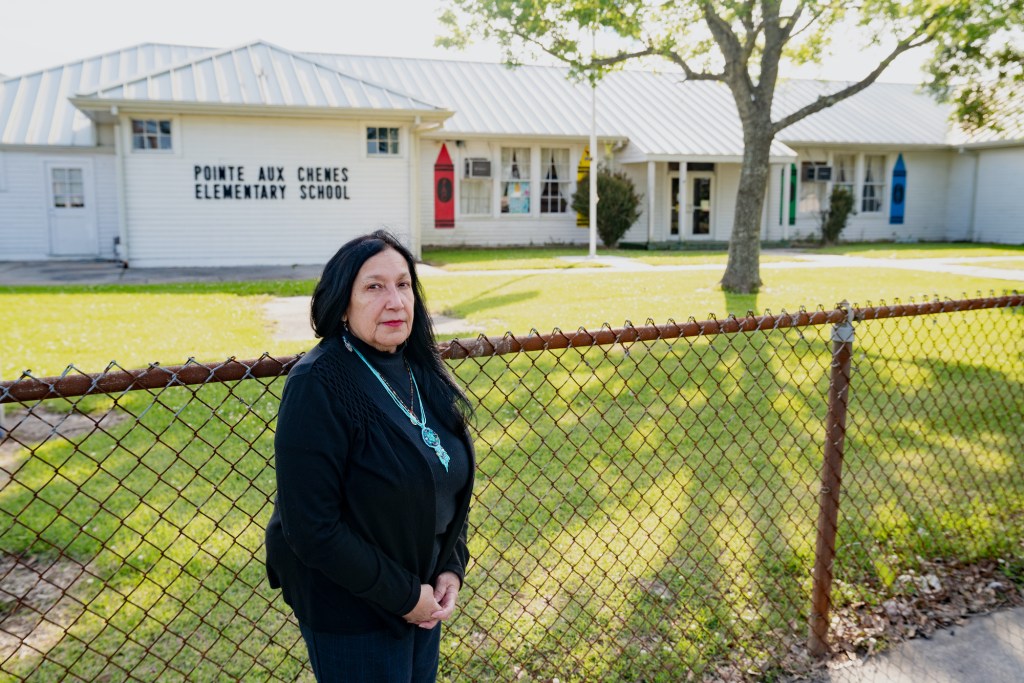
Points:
(874, 183)
(844, 172)
(555, 189)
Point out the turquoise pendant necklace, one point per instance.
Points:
(429, 436)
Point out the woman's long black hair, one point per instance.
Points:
(331, 299)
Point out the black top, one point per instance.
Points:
(365, 512)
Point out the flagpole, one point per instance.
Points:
(593, 149)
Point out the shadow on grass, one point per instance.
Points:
(642, 511)
(940, 437)
(480, 302)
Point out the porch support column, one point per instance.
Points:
(650, 202)
(787, 190)
(685, 211)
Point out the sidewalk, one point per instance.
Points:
(986, 649)
(110, 272)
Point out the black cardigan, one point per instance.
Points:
(352, 534)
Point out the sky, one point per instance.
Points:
(36, 34)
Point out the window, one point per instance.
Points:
(475, 196)
(151, 134)
(515, 180)
(843, 172)
(874, 183)
(554, 193)
(381, 141)
(68, 188)
(812, 190)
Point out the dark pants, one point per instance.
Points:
(376, 657)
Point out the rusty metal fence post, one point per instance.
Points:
(831, 480)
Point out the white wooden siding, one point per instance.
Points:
(24, 223)
(167, 225)
(931, 213)
(1000, 213)
(960, 195)
(497, 229)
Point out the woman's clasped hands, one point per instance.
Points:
(436, 603)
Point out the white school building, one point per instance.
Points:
(167, 155)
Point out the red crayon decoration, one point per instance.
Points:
(444, 190)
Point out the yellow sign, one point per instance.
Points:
(581, 172)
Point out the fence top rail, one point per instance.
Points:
(75, 383)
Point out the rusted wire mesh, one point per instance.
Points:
(647, 503)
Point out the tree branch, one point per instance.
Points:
(691, 75)
(826, 101)
(624, 56)
(736, 72)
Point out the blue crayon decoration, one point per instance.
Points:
(899, 192)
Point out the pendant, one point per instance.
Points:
(432, 440)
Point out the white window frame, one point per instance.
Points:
(848, 172)
(487, 191)
(563, 183)
(70, 187)
(400, 141)
(877, 186)
(811, 191)
(172, 135)
(521, 174)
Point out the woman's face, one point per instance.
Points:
(380, 310)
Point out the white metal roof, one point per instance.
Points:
(257, 74)
(488, 99)
(661, 114)
(35, 108)
(882, 114)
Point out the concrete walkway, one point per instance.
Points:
(985, 649)
(109, 272)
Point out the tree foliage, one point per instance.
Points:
(833, 219)
(618, 205)
(743, 43)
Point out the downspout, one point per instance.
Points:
(121, 247)
(415, 224)
(415, 239)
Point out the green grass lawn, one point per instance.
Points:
(937, 250)
(51, 327)
(641, 512)
(459, 260)
(1009, 264)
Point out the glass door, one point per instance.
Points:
(701, 205)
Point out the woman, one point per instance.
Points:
(374, 475)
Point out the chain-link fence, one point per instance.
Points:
(653, 503)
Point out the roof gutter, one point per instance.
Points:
(100, 110)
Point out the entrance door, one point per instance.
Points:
(72, 216)
(699, 205)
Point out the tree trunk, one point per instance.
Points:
(742, 272)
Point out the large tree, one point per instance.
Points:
(975, 61)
